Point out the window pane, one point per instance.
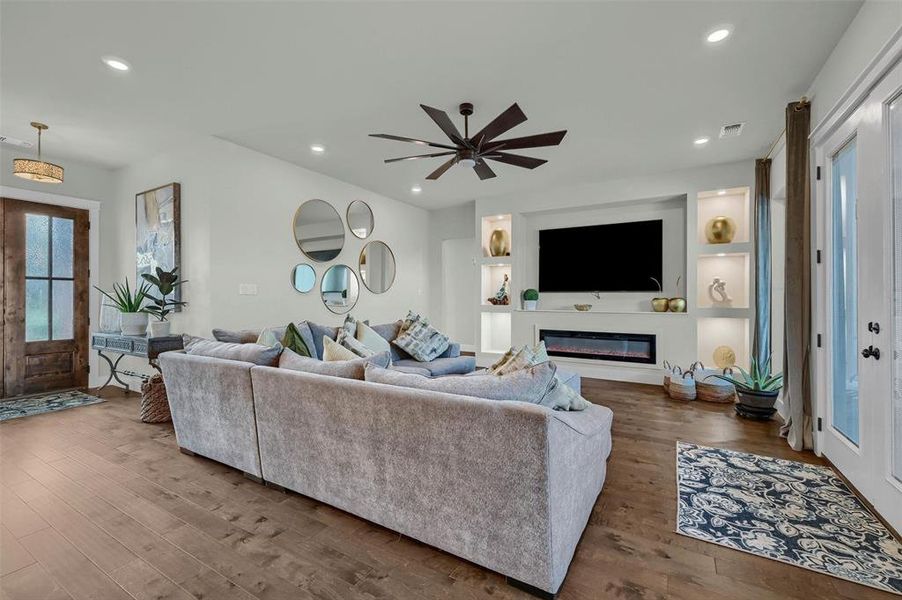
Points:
(62, 247)
(37, 240)
(63, 309)
(36, 310)
(895, 116)
(845, 294)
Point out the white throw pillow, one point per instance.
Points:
(332, 350)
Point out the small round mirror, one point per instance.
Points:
(377, 267)
(340, 288)
(318, 230)
(360, 219)
(303, 278)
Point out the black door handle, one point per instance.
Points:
(874, 327)
(871, 351)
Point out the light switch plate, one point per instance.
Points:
(247, 289)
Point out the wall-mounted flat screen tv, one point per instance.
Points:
(615, 257)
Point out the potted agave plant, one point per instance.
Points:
(160, 306)
(756, 389)
(132, 313)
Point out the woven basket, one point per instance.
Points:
(154, 403)
(682, 388)
(669, 371)
(712, 389)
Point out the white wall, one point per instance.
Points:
(875, 24)
(237, 210)
(452, 223)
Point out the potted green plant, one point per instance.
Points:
(530, 299)
(160, 306)
(756, 390)
(130, 304)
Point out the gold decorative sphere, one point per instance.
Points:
(724, 357)
(720, 230)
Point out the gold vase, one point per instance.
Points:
(500, 243)
(659, 304)
(720, 230)
(677, 305)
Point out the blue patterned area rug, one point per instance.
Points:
(35, 405)
(785, 510)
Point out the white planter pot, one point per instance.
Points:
(530, 304)
(133, 323)
(159, 328)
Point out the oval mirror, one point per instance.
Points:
(303, 278)
(318, 230)
(377, 267)
(360, 219)
(339, 288)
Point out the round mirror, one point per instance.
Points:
(340, 288)
(360, 219)
(377, 267)
(318, 230)
(303, 278)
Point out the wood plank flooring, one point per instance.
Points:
(95, 504)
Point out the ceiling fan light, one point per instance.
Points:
(467, 163)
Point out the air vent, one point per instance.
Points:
(731, 130)
(10, 141)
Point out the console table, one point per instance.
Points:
(131, 345)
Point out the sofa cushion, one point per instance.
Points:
(411, 369)
(294, 341)
(563, 397)
(333, 351)
(459, 365)
(527, 385)
(348, 369)
(270, 336)
(318, 332)
(422, 341)
(237, 336)
(253, 353)
(571, 378)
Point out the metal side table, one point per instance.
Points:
(131, 345)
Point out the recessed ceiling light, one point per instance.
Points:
(701, 141)
(718, 35)
(317, 149)
(416, 189)
(117, 64)
(721, 192)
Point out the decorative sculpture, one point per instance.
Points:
(502, 296)
(717, 291)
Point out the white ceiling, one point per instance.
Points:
(633, 82)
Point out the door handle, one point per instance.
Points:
(874, 327)
(870, 351)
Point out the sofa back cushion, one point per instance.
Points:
(257, 354)
(348, 369)
(237, 336)
(318, 331)
(527, 385)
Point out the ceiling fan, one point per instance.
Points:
(473, 151)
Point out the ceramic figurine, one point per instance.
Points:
(502, 296)
(717, 291)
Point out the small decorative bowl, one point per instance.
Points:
(582, 307)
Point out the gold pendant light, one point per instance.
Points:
(38, 170)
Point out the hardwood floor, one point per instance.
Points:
(95, 504)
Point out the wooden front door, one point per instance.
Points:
(44, 330)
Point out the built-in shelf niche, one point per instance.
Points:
(731, 202)
(495, 332)
(492, 279)
(732, 268)
(490, 224)
(723, 331)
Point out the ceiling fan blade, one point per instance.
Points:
(483, 170)
(530, 141)
(527, 162)
(398, 138)
(509, 119)
(444, 123)
(441, 170)
(391, 160)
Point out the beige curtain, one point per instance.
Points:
(797, 318)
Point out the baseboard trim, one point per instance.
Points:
(531, 589)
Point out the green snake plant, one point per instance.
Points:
(124, 299)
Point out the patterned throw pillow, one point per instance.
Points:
(294, 341)
(370, 338)
(332, 350)
(526, 356)
(563, 397)
(348, 329)
(422, 341)
(409, 320)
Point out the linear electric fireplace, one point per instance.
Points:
(598, 345)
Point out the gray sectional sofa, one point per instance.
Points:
(507, 485)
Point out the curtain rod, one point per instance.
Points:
(802, 101)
